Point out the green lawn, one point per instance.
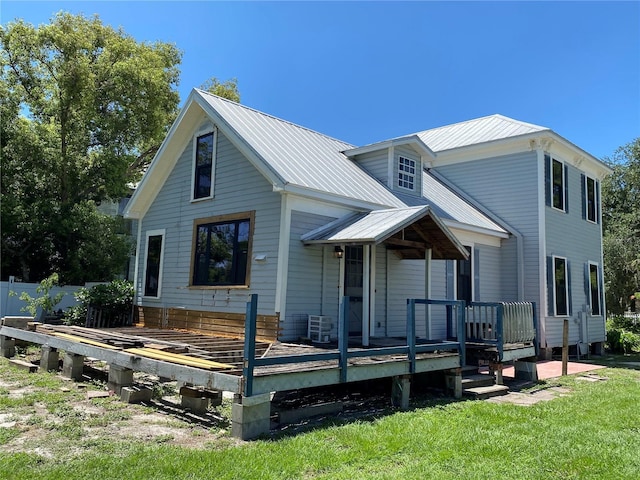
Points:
(591, 433)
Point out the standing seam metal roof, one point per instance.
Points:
(479, 130)
(301, 156)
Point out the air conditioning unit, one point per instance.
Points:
(319, 328)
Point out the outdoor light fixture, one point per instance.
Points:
(338, 252)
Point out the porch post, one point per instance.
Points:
(366, 285)
(427, 290)
(342, 312)
(372, 294)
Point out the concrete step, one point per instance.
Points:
(477, 380)
(482, 393)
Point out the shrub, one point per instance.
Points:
(623, 334)
(114, 299)
(45, 303)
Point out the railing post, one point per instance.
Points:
(461, 337)
(499, 332)
(343, 338)
(249, 359)
(449, 316)
(411, 333)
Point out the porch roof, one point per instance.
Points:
(409, 231)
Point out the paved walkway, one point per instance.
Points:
(553, 368)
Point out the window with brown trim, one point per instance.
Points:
(222, 250)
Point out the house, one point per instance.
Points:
(238, 202)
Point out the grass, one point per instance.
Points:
(592, 433)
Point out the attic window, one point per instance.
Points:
(406, 173)
(203, 161)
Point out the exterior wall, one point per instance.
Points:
(571, 236)
(508, 187)
(173, 211)
(375, 164)
(310, 267)
(405, 280)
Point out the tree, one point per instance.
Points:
(621, 226)
(83, 109)
(227, 89)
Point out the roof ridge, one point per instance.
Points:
(246, 107)
(494, 115)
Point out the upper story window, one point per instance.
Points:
(558, 185)
(153, 263)
(406, 173)
(203, 165)
(222, 250)
(591, 199)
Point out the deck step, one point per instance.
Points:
(477, 380)
(482, 393)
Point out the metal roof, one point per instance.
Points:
(479, 130)
(450, 205)
(379, 226)
(300, 156)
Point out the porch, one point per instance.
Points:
(252, 369)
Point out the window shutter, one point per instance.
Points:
(476, 275)
(550, 287)
(566, 189)
(450, 268)
(547, 180)
(583, 190)
(569, 299)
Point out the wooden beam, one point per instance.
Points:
(421, 234)
(405, 243)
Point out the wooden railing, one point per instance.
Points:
(501, 323)
(343, 354)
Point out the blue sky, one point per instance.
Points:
(368, 71)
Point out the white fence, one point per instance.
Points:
(11, 305)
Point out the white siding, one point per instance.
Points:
(305, 281)
(375, 164)
(571, 236)
(405, 280)
(508, 187)
(238, 188)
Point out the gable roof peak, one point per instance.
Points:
(273, 117)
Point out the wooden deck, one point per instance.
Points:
(217, 362)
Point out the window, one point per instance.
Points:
(406, 173)
(203, 166)
(594, 289)
(222, 250)
(591, 199)
(464, 279)
(153, 263)
(558, 184)
(560, 286)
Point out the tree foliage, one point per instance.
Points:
(83, 109)
(621, 226)
(227, 89)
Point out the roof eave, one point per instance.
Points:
(414, 140)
